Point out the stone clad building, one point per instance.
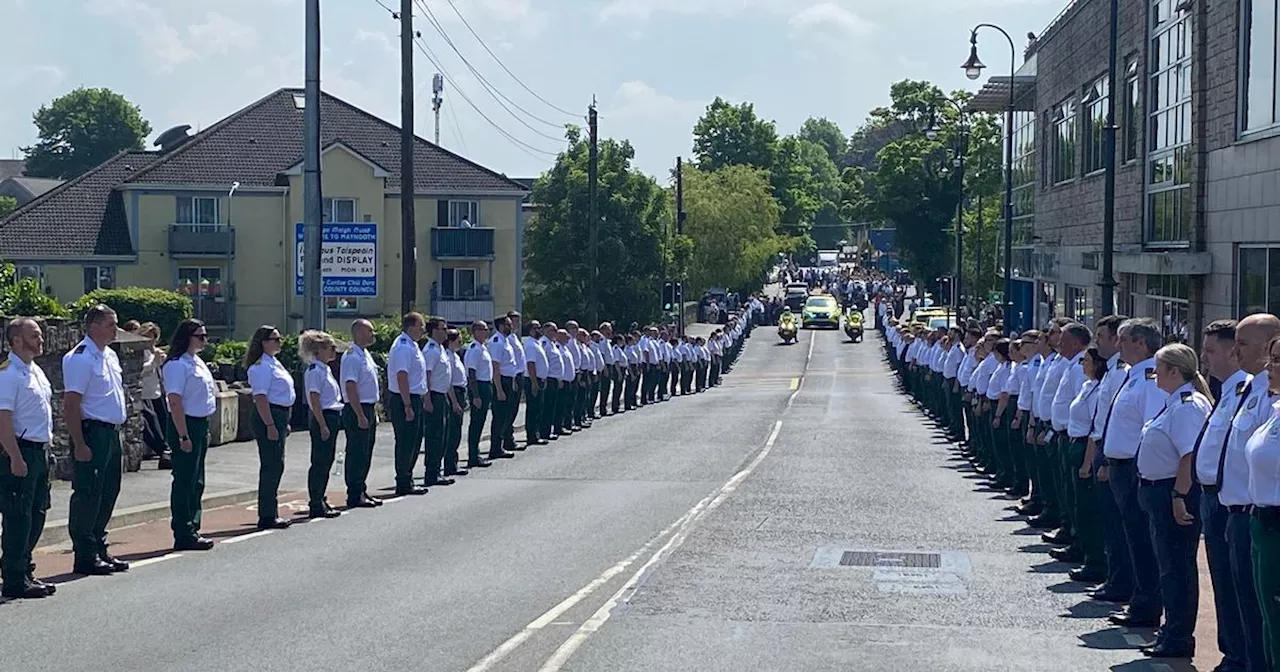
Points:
(1197, 170)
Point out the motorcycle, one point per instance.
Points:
(853, 330)
(787, 332)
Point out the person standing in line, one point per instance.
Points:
(609, 376)
(360, 391)
(453, 427)
(441, 403)
(553, 392)
(632, 351)
(1072, 341)
(1262, 460)
(26, 428)
(568, 385)
(155, 416)
(273, 399)
(535, 384)
(324, 401)
(407, 399)
(1118, 587)
(505, 368)
(1080, 451)
(518, 384)
(192, 396)
(480, 372)
(93, 406)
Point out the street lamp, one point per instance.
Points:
(973, 70)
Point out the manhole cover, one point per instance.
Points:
(890, 559)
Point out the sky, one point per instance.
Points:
(652, 65)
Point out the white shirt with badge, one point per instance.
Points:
(999, 377)
(1214, 440)
(96, 376)
(1070, 380)
(269, 378)
(500, 351)
(1107, 391)
(319, 380)
(1052, 377)
(1171, 434)
(535, 353)
(405, 356)
(554, 359)
(189, 378)
(358, 367)
(1080, 413)
(1256, 411)
(26, 393)
(439, 368)
(459, 372)
(1262, 459)
(478, 359)
(1138, 401)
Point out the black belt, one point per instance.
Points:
(1241, 508)
(102, 423)
(1211, 489)
(1269, 514)
(1120, 461)
(281, 407)
(331, 411)
(32, 444)
(1148, 482)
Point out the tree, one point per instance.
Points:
(81, 130)
(732, 135)
(807, 182)
(633, 218)
(827, 134)
(7, 205)
(732, 222)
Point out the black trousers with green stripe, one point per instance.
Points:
(270, 460)
(95, 486)
(187, 491)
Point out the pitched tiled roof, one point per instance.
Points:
(35, 185)
(264, 139)
(83, 217)
(11, 168)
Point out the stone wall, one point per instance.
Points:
(62, 335)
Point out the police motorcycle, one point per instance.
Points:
(853, 326)
(787, 327)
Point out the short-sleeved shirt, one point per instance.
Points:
(95, 375)
(441, 369)
(1256, 412)
(500, 351)
(269, 378)
(1171, 435)
(999, 378)
(459, 377)
(570, 369)
(517, 348)
(1138, 401)
(405, 356)
(189, 378)
(358, 367)
(1107, 391)
(1071, 379)
(1080, 414)
(1214, 439)
(555, 362)
(534, 352)
(26, 393)
(319, 380)
(1262, 457)
(478, 360)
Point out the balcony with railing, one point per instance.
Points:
(463, 310)
(461, 243)
(214, 311)
(202, 240)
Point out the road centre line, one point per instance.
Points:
(151, 561)
(247, 537)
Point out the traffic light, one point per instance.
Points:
(668, 296)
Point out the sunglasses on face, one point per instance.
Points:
(200, 336)
(271, 338)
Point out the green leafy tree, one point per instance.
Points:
(82, 129)
(7, 205)
(732, 135)
(633, 219)
(827, 134)
(732, 223)
(818, 191)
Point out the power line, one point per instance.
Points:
(506, 69)
(457, 130)
(492, 90)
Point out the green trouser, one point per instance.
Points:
(433, 426)
(359, 451)
(1066, 477)
(23, 504)
(1048, 481)
(408, 436)
(322, 455)
(1004, 448)
(475, 425)
(1087, 523)
(453, 431)
(95, 486)
(1264, 531)
(187, 491)
(270, 461)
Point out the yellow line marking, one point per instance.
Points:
(795, 384)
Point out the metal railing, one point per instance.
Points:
(459, 243)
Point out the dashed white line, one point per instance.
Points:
(393, 500)
(247, 537)
(151, 561)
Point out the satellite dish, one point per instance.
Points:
(173, 137)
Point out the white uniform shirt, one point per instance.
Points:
(982, 375)
(1138, 401)
(1035, 375)
(189, 378)
(319, 379)
(1214, 439)
(1172, 434)
(479, 360)
(555, 361)
(534, 353)
(570, 370)
(999, 378)
(95, 375)
(269, 378)
(1053, 368)
(1080, 414)
(1017, 378)
(358, 367)
(1235, 471)
(1262, 458)
(25, 391)
(500, 351)
(459, 372)
(440, 369)
(1071, 379)
(151, 364)
(955, 355)
(405, 356)
(1107, 391)
(517, 348)
(605, 348)
(965, 373)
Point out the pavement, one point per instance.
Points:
(719, 531)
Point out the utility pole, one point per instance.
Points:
(408, 228)
(680, 215)
(593, 223)
(313, 211)
(1109, 185)
(437, 88)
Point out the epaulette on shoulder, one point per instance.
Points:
(5, 364)
(473, 344)
(79, 349)
(1186, 396)
(1150, 374)
(315, 365)
(1240, 387)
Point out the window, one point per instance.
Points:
(1132, 111)
(1079, 307)
(99, 277)
(339, 304)
(1258, 57)
(458, 283)
(199, 282)
(1062, 143)
(197, 211)
(1166, 300)
(1168, 206)
(1024, 192)
(342, 210)
(22, 272)
(1258, 281)
(464, 211)
(1095, 125)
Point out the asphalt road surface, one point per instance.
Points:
(707, 533)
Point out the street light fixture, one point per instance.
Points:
(973, 70)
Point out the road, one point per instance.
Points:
(705, 533)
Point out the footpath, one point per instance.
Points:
(231, 478)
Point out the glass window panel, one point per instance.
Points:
(1260, 68)
(1252, 275)
(1273, 281)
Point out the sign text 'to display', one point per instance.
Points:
(348, 260)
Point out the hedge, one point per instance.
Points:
(164, 307)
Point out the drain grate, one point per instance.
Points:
(891, 559)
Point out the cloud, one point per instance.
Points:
(830, 19)
(378, 40)
(219, 34)
(150, 27)
(637, 100)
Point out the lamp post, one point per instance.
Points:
(1109, 195)
(973, 70)
(961, 147)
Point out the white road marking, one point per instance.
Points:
(800, 381)
(247, 537)
(152, 561)
(601, 616)
(393, 500)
